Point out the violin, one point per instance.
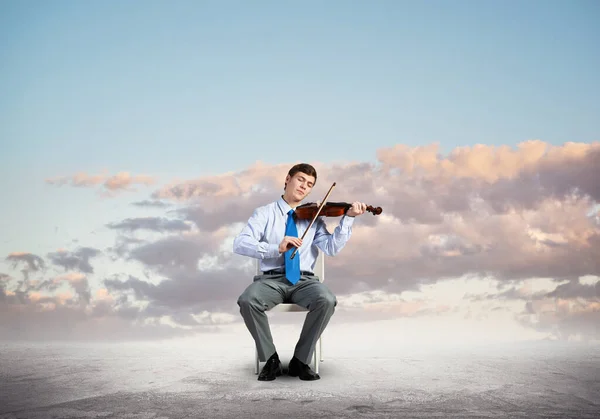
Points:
(330, 209)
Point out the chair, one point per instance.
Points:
(288, 307)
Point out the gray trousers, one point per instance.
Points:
(266, 291)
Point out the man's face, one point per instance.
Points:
(299, 186)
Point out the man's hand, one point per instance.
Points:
(288, 242)
(357, 208)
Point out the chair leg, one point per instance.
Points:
(315, 360)
(255, 361)
(321, 348)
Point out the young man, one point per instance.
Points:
(268, 237)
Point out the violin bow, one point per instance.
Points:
(313, 220)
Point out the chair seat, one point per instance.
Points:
(288, 307)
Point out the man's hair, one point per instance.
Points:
(304, 168)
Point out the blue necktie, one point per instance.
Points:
(292, 266)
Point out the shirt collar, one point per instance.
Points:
(284, 207)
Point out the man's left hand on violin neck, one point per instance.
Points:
(357, 208)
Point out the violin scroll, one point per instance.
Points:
(374, 211)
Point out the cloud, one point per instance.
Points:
(482, 211)
(256, 179)
(497, 215)
(79, 260)
(182, 298)
(64, 319)
(151, 203)
(492, 164)
(150, 223)
(32, 262)
(110, 184)
(189, 273)
(564, 319)
(79, 283)
(176, 251)
(575, 289)
(4, 280)
(123, 180)
(45, 309)
(214, 216)
(79, 180)
(192, 270)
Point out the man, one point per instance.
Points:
(267, 237)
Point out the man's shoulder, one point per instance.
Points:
(266, 208)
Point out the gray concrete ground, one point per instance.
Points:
(164, 380)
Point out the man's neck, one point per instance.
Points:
(290, 202)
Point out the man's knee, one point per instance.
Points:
(250, 299)
(247, 299)
(326, 299)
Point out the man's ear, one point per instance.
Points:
(287, 179)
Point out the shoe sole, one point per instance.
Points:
(277, 374)
(293, 374)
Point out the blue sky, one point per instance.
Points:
(184, 89)
(147, 84)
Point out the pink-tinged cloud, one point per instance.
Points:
(259, 177)
(79, 283)
(124, 180)
(487, 163)
(110, 183)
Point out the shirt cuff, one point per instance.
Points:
(269, 250)
(347, 221)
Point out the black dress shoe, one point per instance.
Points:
(271, 370)
(299, 369)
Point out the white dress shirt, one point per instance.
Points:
(260, 238)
